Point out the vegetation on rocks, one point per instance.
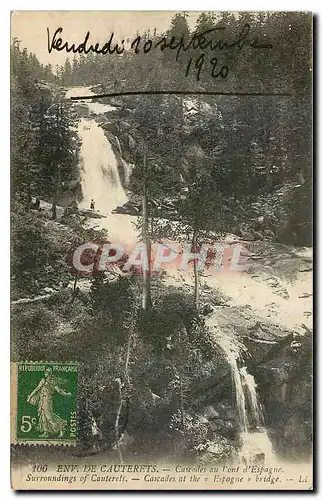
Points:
(154, 376)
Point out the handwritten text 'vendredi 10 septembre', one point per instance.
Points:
(198, 45)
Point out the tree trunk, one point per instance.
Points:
(196, 274)
(57, 171)
(75, 285)
(54, 211)
(128, 351)
(75, 282)
(181, 363)
(116, 425)
(29, 197)
(126, 365)
(55, 197)
(181, 399)
(146, 297)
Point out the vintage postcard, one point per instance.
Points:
(161, 263)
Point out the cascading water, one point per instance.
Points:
(248, 382)
(239, 393)
(99, 170)
(127, 168)
(100, 179)
(256, 445)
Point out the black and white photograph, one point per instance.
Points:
(161, 250)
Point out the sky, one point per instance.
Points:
(31, 28)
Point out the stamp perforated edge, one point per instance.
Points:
(14, 406)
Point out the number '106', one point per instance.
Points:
(39, 468)
(216, 69)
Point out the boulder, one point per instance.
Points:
(124, 125)
(113, 140)
(115, 101)
(131, 142)
(111, 127)
(81, 110)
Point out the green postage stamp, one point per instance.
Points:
(46, 403)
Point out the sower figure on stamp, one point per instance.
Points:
(49, 423)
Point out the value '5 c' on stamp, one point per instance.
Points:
(47, 402)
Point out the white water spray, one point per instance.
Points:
(250, 388)
(99, 170)
(100, 179)
(239, 394)
(256, 445)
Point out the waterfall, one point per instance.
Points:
(252, 397)
(100, 178)
(99, 173)
(127, 169)
(256, 445)
(239, 394)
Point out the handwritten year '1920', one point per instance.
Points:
(208, 41)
